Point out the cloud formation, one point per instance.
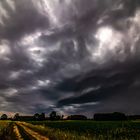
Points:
(69, 56)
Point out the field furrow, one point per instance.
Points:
(32, 133)
(17, 133)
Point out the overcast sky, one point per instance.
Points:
(71, 56)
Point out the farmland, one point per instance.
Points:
(93, 130)
(70, 130)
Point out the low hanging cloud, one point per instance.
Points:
(69, 56)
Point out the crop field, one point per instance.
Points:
(92, 130)
(69, 130)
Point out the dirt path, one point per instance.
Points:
(17, 133)
(32, 133)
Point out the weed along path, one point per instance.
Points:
(31, 134)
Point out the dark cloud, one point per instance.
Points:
(21, 20)
(69, 56)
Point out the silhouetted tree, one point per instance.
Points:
(26, 118)
(62, 117)
(36, 116)
(4, 117)
(54, 116)
(77, 117)
(16, 116)
(116, 116)
(58, 117)
(39, 117)
(133, 117)
(42, 116)
(119, 116)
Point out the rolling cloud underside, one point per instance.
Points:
(70, 56)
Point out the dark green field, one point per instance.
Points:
(126, 130)
(69, 130)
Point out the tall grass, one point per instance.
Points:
(6, 130)
(127, 130)
(56, 134)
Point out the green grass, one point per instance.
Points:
(126, 130)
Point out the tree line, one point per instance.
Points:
(115, 116)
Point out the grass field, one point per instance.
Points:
(70, 130)
(127, 130)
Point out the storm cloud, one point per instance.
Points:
(72, 56)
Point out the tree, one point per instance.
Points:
(42, 116)
(77, 117)
(4, 117)
(16, 117)
(116, 116)
(53, 115)
(36, 116)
